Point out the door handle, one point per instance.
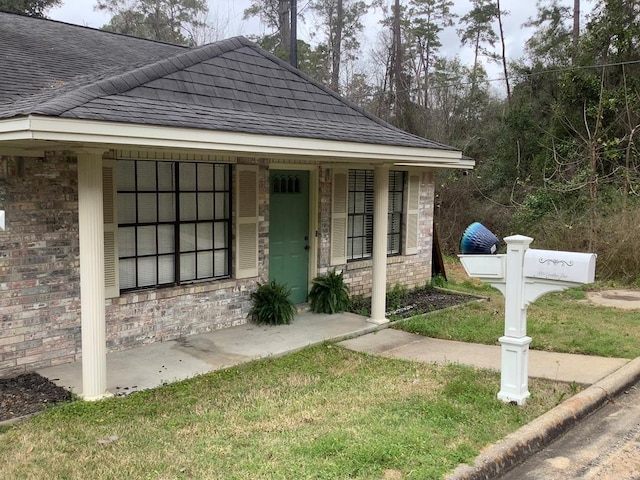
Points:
(306, 247)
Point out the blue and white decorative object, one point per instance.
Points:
(478, 240)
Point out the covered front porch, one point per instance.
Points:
(164, 362)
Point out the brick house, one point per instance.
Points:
(147, 188)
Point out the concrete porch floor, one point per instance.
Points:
(165, 362)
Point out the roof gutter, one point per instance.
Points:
(90, 133)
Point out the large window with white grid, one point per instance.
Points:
(174, 222)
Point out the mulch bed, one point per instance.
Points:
(417, 302)
(27, 394)
(427, 300)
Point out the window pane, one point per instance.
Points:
(167, 206)
(166, 240)
(147, 240)
(126, 175)
(358, 226)
(187, 237)
(165, 269)
(222, 177)
(205, 177)
(222, 206)
(205, 206)
(127, 273)
(368, 206)
(147, 208)
(221, 263)
(188, 206)
(126, 208)
(368, 226)
(395, 202)
(393, 244)
(146, 176)
(220, 237)
(205, 236)
(188, 177)
(394, 223)
(127, 241)
(205, 264)
(358, 248)
(359, 205)
(147, 271)
(166, 176)
(187, 266)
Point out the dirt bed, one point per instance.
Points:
(27, 394)
(427, 300)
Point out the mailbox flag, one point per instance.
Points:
(478, 239)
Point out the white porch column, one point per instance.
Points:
(92, 294)
(380, 220)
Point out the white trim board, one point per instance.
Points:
(89, 132)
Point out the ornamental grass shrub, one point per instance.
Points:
(329, 293)
(272, 305)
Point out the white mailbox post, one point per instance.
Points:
(524, 275)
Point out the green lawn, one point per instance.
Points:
(560, 322)
(324, 412)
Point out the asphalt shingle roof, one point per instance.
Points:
(60, 70)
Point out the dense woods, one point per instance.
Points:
(555, 145)
(554, 133)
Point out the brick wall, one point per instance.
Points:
(39, 270)
(39, 267)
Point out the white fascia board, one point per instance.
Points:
(88, 132)
(463, 164)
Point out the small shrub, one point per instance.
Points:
(271, 304)
(396, 297)
(329, 293)
(438, 281)
(360, 305)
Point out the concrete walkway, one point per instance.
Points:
(156, 364)
(563, 367)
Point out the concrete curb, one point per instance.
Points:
(531, 438)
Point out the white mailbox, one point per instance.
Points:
(524, 274)
(571, 267)
(485, 267)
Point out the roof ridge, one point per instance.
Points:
(327, 90)
(122, 82)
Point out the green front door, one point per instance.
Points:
(289, 231)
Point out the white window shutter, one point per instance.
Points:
(111, 280)
(246, 221)
(413, 206)
(339, 216)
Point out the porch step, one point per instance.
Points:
(303, 307)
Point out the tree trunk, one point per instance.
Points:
(575, 34)
(504, 57)
(397, 64)
(285, 32)
(336, 47)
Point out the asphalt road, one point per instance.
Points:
(604, 446)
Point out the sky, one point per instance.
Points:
(230, 13)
